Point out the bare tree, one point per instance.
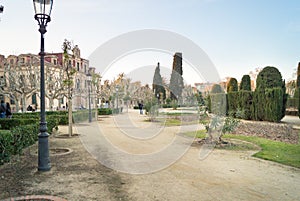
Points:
(68, 80)
(21, 80)
(54, 83)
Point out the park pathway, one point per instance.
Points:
(123, 142)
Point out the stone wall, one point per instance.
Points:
(275, 131)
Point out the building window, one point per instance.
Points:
(33, 99)
(77, 66)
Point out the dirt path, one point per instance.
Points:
(223, 175)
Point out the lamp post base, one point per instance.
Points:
(43, 153)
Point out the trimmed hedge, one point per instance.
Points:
(245, 103)
(14, 141)
(218, 104)
(233, 103)
(273, 105)
(8, 124)
(104, 111)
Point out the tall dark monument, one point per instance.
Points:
(176, 81)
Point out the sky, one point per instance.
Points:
(237, 35)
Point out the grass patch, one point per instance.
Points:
(284, 153)
(280, 152)
(178, 122)
(176, 113)
(201, 134)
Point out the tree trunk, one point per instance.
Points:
(70, 117)
(23, 100)
(17, 105)
(51, 103)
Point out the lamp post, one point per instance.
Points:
(89, 80)
(42, 10)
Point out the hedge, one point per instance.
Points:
(14, 141)
(245, 103)
(218, 104)
(104, 111)
(233, 103)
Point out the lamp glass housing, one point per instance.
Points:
(43, 7)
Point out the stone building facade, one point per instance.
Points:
(20, 81)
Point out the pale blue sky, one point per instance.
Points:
(238, 35)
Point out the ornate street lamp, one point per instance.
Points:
(42, 9)
(89, 80)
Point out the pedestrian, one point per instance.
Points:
(8, 110)
(2, 109)
(29, 108)
(141, 107)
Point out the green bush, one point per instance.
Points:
(105, 111)
(232, 85)
(274, 104)
(8, 124)
(232, 102)
(14, 141)
(218, 104)
(268, 79)
(216, 88)
(245, 83)
(245, 103)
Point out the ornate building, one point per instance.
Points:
(19, 81)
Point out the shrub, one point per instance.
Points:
(269, 78)
(14, 141)
(106, 111)
(274, 104)
(245, 83)
(218, 104)
(232, 102)
(245, 103)
(8, 124)
(216, 88)
(232, 85)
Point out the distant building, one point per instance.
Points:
(19, 80)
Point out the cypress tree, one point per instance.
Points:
(264, 99)
(176, 81)
(218, 102)
(245, 83)
(216, 88)
(232, 85)
(157, 85)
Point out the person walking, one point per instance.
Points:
(8, 110)
(141, 107)
(2, 109)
